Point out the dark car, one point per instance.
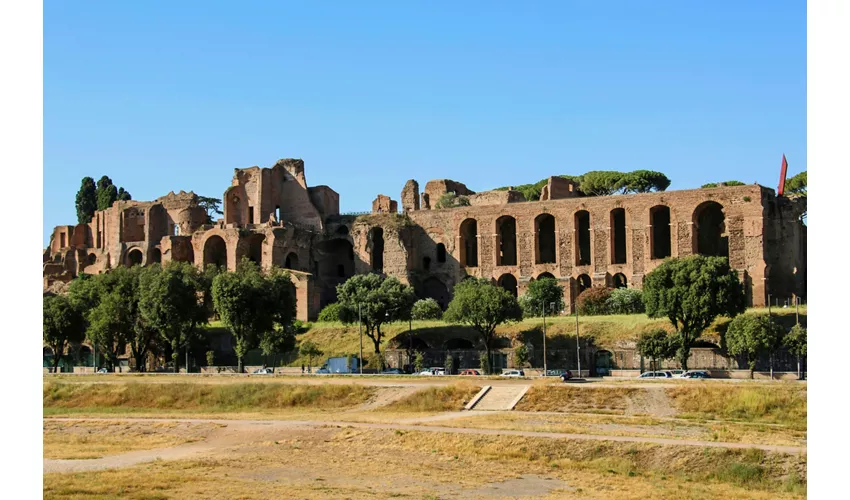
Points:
(696, 374)
(566, 375)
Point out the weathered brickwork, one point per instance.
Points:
(272, 217)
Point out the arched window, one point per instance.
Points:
(441, 253)
(582, 225)
(710, 230)
(583, 282)
(660, 241)
(618, 236)
(544, 228)
(469, 243)
(377, 240)
(156, 256)
(291, 261)
(215, 251)
(134, 258)
(506, 250)
(255, 247)
(620, 281)
(509, 283)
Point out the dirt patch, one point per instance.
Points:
(612, 400)
(652, 401)
(384, 396)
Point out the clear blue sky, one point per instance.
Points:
(166, 96)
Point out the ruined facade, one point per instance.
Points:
(273, 217)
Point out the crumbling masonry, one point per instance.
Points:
(272, 217)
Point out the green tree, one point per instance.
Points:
(425, 309)
(310, 350)
(796, 185)
(644, 181)
(418, 362)
(210, 358)
(281, 302)
(212, 206)
(657, 345)
(543, 292)
(86, 201)
(170, 305)
(241, 301)
(378, 299)
(691, 292)
(449, 364)
(602, 182)
(795, 341)
(625, 301)
(107, 193)
(750, 334)
(124, 195)
(483, 306)
(62, 324)
(520, 355)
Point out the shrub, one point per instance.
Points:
(483, 364)
(625, 301)
(520, 355)
(426, 309)
(542, 291)
(594, 301)
(330, 312)
(418, 362)
(210, 358)
(449, 364)
(451, 200)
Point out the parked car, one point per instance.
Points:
(263, 371)
(513, 373)
(566, 375)
(322, 371)
(469, 372)
(655, 375)
(392, 371)
(433, 371)
(696, 374)
(103, 370)
(677, 373)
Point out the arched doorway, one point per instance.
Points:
(215, 251)
(376, 238)
(582, 225)
(506, 250)
(91, 259)
(509, 283)
(255, 248)
(583, 281)
(291, 261)
(660, 240)
(546, 275)
(469, 243)
(618, 236)
(134, 257)
(156, 256)
(603, 363)
(544, 228)
(434, 288)
(710, 230)
(620, 281)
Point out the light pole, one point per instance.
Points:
(360, 326)
(578, 347)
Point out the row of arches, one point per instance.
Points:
(709, 236)
(509, 282)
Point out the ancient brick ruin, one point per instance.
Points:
(272, 217)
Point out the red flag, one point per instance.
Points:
(782, 176)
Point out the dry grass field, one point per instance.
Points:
(413, 445)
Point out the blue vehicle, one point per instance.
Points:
(340, 365)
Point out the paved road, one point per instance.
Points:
(234, 431)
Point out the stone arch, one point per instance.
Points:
(291, 261)
(546, 275)
(618, 235)
(441, 253)
(215, 251)
(134, 257)
(545, 241)
(583, 282)
(619, 281)
(506, 249)
(458, 343)
(155, 256)
(376, 238)
(582, 228)
(91, 259)
(509, 282)
(660, 237)
(434, 288)
(469, 243)
(709, 233)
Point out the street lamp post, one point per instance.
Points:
(360, 326)
(578, 347)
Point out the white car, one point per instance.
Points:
(513, 373)
(263, 371)
(677, 373)
(664, 374)
(433, 372)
